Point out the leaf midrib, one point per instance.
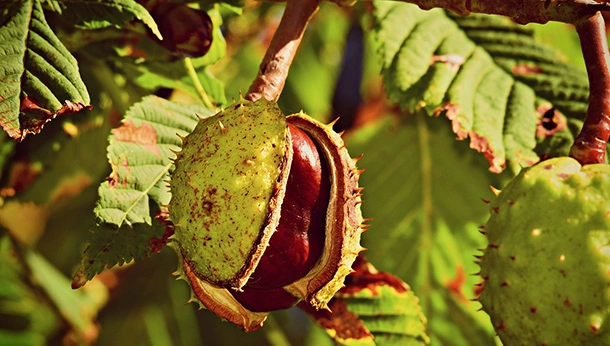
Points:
(145, 192)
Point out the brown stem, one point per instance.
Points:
(590, 145)
(274, 69)
(521, 11)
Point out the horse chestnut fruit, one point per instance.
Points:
(546, 278)
(266, 210)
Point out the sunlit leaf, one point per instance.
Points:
(489, 76)
(141, 151)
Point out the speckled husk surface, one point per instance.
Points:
(229, 178)
(546, 270)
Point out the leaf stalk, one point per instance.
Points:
(205, 99)
(590, 145)
(274, 68)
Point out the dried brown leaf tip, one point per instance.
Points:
(33, 116)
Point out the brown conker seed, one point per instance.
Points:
(297, 243)
(187, 32)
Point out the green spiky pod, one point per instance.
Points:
(228, 189)
(546, 278)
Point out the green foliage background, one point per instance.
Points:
(423, 189)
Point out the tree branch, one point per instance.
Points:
(275, 65)
(521, 11)
(590, 145)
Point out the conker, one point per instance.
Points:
(266, 210)
(297, 243)
(187, 32)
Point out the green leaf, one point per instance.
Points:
(27, 319)
(153, 75)
(110, 245)
(141, 151)
(40, 78)
(374, 308)
(486, 74)
(515, 49)
(36, 299)
(78, 308)
(425, 211)
(219, 46)
(95, 14)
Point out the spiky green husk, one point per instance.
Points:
(229, 180)
(546, 270)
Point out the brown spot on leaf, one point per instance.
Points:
(144, 135)
(29, 104)
(478, 288)
(550, 121)
(481, 144)
(453, 61)
(523, 69)
(79, 279)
